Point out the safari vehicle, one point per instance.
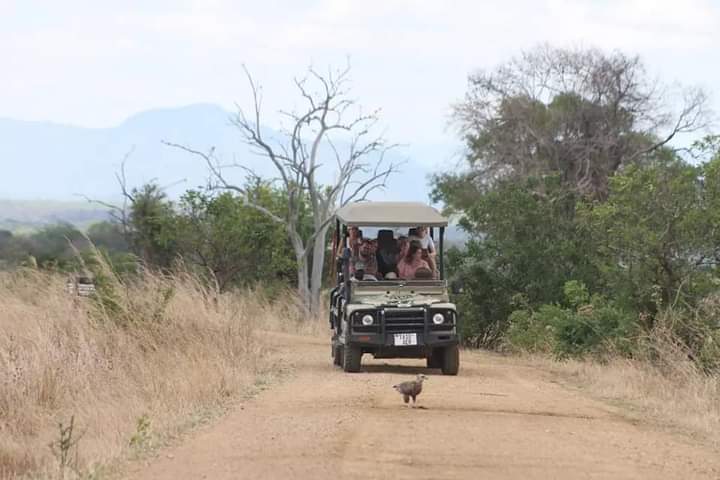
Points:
(390, 317)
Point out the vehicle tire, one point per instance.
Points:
(351, 356)
(337, 355)
(435, 359)
(450, 360)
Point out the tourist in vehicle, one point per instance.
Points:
(353, 242)
(421, 234)
(387, 252)
(403, 244)
(355, 238)
(412, 261)
(366, 258)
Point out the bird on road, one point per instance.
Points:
(410, 389)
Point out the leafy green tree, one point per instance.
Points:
(527, 245)
(56, 246)
(546, 131)
(151, 223)
(653, 234)
(108, 235)
(237, 243)
(709, 215)
(485, 300)
(52, 247)
(9, 249)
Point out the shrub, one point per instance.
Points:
(585, 325)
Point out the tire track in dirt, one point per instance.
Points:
(496, 419)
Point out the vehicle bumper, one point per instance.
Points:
(430, 339)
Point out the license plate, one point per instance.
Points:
(406, 339)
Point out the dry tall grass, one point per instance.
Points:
(688, 401)
(165, 351)
(661, 385)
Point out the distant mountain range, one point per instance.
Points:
(47, 168)
(41, 160)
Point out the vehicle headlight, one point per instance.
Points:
(367, 320)
(438, 318)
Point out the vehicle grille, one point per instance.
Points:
(404, 320)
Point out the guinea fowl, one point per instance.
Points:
(410, 389)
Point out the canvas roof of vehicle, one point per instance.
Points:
(390, 214)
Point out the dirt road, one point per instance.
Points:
(496, 420)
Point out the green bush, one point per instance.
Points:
(530, 331)
(584, 325)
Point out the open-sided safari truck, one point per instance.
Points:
(383, 314)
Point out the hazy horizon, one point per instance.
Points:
(85, 65)
(111, 63)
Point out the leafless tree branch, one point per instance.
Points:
(119, 213)
(329, 132)
(216, 171)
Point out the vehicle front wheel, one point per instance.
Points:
(435, 359)
(351, 357)
(451, 360)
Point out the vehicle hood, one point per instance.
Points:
(397, 300)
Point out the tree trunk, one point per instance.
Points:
(303, 281)
(318, 261)
(303, 274)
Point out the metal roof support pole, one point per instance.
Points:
(442, 254)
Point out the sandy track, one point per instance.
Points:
(496, 419)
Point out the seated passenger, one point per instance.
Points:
(351, 241)
(412, 261)
(403, 244)
(354, 239)
(387, 252)
(420, 234)
(366, 256)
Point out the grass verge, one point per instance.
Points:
(86, 382)
(681, 398)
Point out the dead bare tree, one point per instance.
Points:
(330, 133)
(119, 214)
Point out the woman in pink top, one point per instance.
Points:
(412, 261)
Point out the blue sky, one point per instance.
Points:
(90, 64)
